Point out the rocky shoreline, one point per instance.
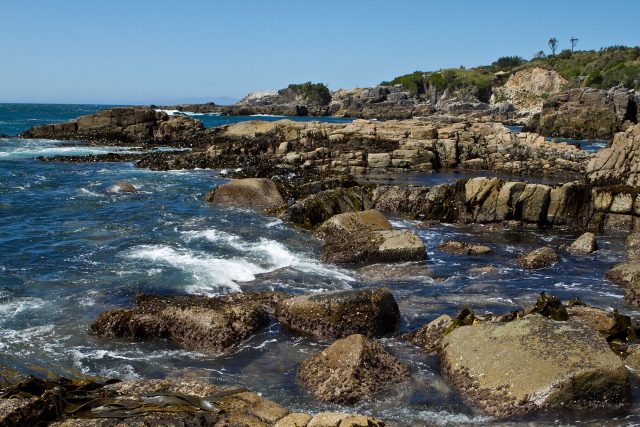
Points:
(313, 176)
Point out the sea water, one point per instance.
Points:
(71, 247)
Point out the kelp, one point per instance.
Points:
(551, 307)
(90, 399)
(621, 333)
(465, 318)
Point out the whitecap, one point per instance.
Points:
(12, 308)
(271, 254)
(208, 272)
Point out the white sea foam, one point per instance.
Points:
(270, 254)
(14, 307)
(209, 273)
(266, 115)
(186, 113)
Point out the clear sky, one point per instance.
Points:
(156, 51)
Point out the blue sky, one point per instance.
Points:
(156, 51)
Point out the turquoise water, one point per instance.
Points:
(71, 248)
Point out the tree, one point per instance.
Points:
(553, 44)
(574, 42)
(539, 55)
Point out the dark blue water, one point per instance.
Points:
(71, 248)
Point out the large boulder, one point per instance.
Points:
(330, 315)
(533, 363)
(200, 323)
(351, 369)
(539, 258)
(367, 236)
(428, 337)
(254, 193)
(318, 208)
(586, 113)
(584, 245)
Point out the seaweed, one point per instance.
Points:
(551, 307)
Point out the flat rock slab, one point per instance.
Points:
(331, 315)
(462, 248)
(350, 370)
(200, 323)
(533, 363)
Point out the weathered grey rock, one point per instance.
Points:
(462, 248)
(318, 208)
(351, 369)
(533, 363)
(618, 163)
(254, 193)
(200, 323)
(330, 315)
(584, 245)
(539, 258)
(586, 113)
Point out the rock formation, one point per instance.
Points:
(200, 323)
(331, 315)
(587, 113)
(533, 363)
(350, 370)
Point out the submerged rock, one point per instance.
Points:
(539, 258)
(254, 193)
(584, 245)
(123, 187)
(350, 370)
(366, 236)
(461, 248)
(533, 363)
(196, 322)
(330, 315)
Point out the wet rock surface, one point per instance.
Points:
(254, 193)
(331, 315)
(351, 369)
(179, 402)
(540, 258)
(200, 323)
(318, 208)
(367, 237)
(462, 248)
(533, 363)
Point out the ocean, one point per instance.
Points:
(72, 248)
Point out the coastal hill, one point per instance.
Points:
(581, 94)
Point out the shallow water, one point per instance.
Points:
(72, 248)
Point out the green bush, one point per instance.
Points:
(313, 93)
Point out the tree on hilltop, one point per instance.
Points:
(574, 42)
(553, 44)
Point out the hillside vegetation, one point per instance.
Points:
(603, 69)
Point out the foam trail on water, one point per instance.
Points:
(271, 254)
(209, 272)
